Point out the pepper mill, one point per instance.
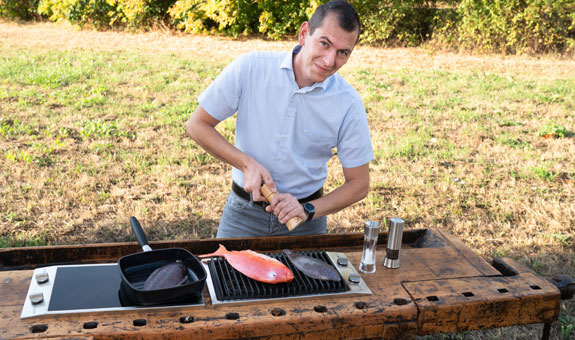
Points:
(393, 243)
(293, 222)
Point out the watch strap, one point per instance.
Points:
(310, 213)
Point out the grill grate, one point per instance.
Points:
(230, 284)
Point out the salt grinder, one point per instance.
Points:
(393, 243)
(371, 231)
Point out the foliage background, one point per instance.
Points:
(92, 132)
(500, 26)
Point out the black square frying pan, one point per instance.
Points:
(136, 268)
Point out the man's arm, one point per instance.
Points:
(355, 188)
(201, 127)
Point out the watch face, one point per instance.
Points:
(309, 208)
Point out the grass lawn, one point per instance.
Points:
(92, 132)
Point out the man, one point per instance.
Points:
(292, 110)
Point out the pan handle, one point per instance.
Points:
(140, 235)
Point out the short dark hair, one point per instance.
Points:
(347, 16)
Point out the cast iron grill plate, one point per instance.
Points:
(230, 284)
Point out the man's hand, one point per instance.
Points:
(285, 207)
(254, 176)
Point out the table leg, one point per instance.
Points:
(546, 331)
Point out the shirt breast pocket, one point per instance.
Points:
(317, 144)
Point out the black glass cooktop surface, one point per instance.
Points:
(90, 287)
(86, 287)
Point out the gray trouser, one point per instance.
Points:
(243, 218)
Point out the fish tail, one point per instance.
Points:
(220, 252)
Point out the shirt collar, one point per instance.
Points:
(288, 64)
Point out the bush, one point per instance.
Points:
(55, 10)
(516, 26)
(81, 12)
(500, 26)
(18, 9)
(279, 18)
(274, 18)
(200, 16)
(402, 22)
(141, 13)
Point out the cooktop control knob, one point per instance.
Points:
(354, 278)
(342, 261)
(36, 298)
(41, 277)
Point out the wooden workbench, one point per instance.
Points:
(441, 286)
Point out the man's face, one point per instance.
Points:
(324, 52)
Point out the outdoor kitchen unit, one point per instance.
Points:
(441, 286)
(96, 288)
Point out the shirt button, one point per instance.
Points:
(285, 137)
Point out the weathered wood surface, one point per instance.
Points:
(32, 257)
(457, 304)
(399, 308)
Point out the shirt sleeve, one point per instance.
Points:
(222, 97)
(354, 146)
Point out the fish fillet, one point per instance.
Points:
(312, 267)
(168, 276)
(255, 266)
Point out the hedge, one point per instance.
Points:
(515, 26)
(505, 26)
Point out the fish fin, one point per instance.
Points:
(263, 256)
(220, 252)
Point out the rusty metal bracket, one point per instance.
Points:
(565, 284)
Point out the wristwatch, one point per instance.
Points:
(309, 209)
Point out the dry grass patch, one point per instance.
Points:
(92, 132)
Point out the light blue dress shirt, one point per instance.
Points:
(290, 131)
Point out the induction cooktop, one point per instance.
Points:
(97, 288)
(82, 289)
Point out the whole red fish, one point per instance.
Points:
(255, 266)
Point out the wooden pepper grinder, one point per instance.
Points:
(293, 222)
